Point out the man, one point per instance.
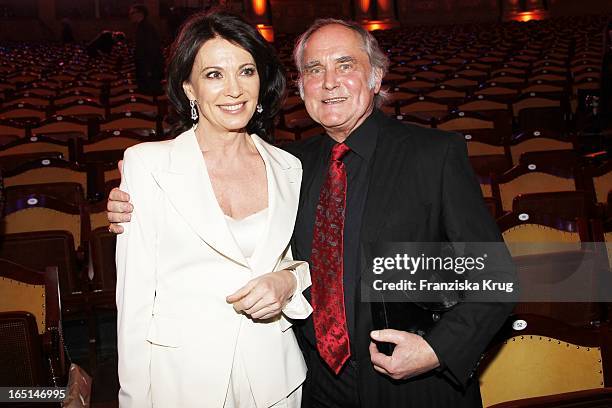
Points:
(371, 178)
(147, 52)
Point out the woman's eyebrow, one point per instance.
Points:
(212, 67)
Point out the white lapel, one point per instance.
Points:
(190, 191)
(283, 194)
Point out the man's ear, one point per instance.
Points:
(300, 83)
(188, 89)
(378, 75)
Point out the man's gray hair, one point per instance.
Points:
(378, 59)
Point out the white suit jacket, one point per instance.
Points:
(177, 262)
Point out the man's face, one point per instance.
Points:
(335, 77)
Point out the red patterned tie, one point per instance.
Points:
(327, 292)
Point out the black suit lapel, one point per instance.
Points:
(384, 169)
(311, 153)
(311, 158)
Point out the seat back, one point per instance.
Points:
(62, 125)
(535, 356)
(17, 196)
(21, 361)
(111, 143)
(538, 144)
(12, 129)
(465, 122)
(532, 182)
(532, 232)
(42, 212)
(129, 120)
(567, 205)
(36, 144)
(43, 219)
(532, 176)
(23, 289)
(83, 109)
(548, 250)
(36, 250)
(104, 279)
(46, 171)
(29, 324)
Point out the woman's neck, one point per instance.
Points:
(228, 143)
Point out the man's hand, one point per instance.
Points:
(265, 296)
(118, 207)
(412, 354)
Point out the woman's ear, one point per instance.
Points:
(188, 89)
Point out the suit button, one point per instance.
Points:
(435, 317)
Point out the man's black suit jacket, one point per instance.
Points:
(421, 189)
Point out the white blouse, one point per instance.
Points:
(248, 231)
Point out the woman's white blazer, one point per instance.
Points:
(176, 264)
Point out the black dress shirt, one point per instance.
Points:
(362, 142)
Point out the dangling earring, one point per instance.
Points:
(194, 111)
(259, 108)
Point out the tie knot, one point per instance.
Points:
(339, 151)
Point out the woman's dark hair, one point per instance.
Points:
(205, 26)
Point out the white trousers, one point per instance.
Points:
(239, 394)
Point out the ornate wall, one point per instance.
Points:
(39, 20)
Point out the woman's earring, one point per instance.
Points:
(194, 111)
(259, 108)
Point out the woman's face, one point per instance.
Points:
(225, 83)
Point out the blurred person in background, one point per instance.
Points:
(104, 43)
(147, 52)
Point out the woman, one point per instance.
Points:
(204, 268)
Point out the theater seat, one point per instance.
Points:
(534, 357)
(30, 327)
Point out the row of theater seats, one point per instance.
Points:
(533, 361)
(89, 163)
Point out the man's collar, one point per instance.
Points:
(362, 140)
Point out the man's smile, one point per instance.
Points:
(332, 101)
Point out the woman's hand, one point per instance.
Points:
(265, 296)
